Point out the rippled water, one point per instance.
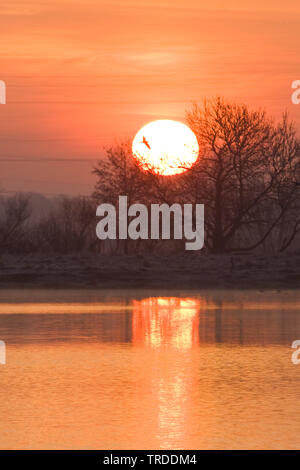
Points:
(146, 370)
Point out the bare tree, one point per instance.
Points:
(119, 174)
(70, 227)
(247, 176)
(245, 173)
(15, 212)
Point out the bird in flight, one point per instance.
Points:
(145, 141)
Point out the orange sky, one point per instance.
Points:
(82, 73)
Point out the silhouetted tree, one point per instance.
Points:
(70, 227)
(119, 175)
(14, 214)
(245, 175)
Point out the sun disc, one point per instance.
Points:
(165, 147)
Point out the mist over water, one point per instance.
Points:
(140, 370)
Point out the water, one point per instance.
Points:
(149, 370)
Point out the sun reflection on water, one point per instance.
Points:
(166, 320)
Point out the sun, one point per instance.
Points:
(165, 147)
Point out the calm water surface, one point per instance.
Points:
(149, 370)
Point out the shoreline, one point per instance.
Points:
(148, 271)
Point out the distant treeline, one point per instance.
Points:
(247, 176)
